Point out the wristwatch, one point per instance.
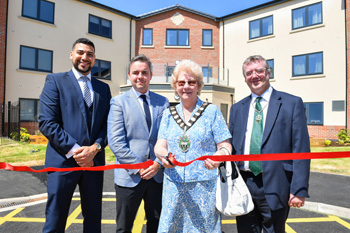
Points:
(98, 146)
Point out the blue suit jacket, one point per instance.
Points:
(285, 132)
(62, 118)
(128, 135)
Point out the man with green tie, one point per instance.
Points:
(265, 122)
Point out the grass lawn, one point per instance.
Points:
(18, 154)
(337, 166)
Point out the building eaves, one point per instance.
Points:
(252, 9)
(176, 7)
(107, 8)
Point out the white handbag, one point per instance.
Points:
(232, 195)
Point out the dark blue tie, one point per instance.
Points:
(147, 112)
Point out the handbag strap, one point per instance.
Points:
(223, 171)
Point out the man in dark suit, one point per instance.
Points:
(269, 121)
(73, 116)
(133, 124)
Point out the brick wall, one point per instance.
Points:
(325, 132)
(160, 55)
(3, 17)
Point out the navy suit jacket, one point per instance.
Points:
(285, 132)
(62, 118)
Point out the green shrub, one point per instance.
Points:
(327, 142)
(24, 135)
(343, 136)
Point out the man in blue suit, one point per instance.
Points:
(133, 124)
(269, 121)
(73, 116)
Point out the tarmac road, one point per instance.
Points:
(22, 205)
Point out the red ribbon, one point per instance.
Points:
(7, 166)
(259, 157)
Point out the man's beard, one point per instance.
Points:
(76, 66)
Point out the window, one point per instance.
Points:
(35, 59)
(100, 26)
(101, 69)
(314, 113)
(207, 73)
(224, 110)
(271, 64)
(29, 110)
(207, 37)
(39, 9)
(169, 71)
(307, 16)
(338, 105)
(308, 64)
(177, 37)
(147, 36)
(261, 27)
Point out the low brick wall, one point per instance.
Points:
(317, 142)
(38, 139)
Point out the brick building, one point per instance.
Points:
(174, 33)
(306, 43)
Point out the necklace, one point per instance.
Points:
(184, 140)
(259, 116)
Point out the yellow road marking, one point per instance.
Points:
(10, 215)
(19, 219)
(72, 217)
(340, 221)
(289, 229)
(228, 221)
(299, 220)
(139, 220)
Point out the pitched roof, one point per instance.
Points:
(176, 7)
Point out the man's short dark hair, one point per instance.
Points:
(140, 58)
(83, 41)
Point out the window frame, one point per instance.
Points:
(307, 24)
(143, 36)
(307, 62)
(98, 65)
(36, 110)
(177, 37)
(36, 59)
(260, 27)
(211, 37)
(38, 15)
(307, 112)
(100, 19)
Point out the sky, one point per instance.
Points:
(216, 8)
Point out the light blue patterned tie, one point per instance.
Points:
(256, 139)
(87, 93)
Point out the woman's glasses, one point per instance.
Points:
(190, 83)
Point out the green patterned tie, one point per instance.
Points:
(256, 139)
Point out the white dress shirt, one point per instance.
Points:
(148, 98)
(248, 134)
